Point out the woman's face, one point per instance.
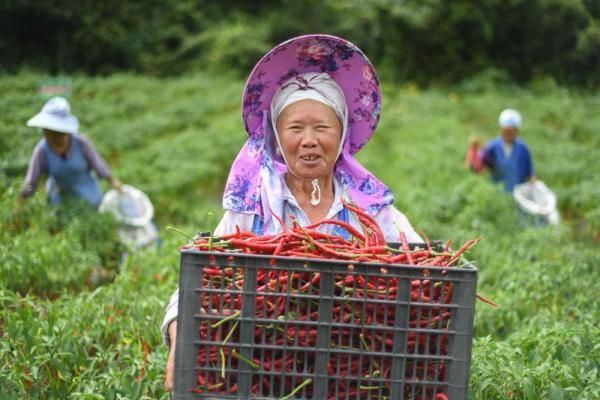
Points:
(310, 134)
(509, 134)
(58, 141)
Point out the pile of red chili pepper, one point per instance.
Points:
(362, 321)
(307, 242)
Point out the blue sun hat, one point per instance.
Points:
(56, 116)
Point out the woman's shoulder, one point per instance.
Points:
(521, 143)
(38, 150)
(497, 141)
(233, 219)
(82, 138)
(392, 222)
(390, 215)
(40, 144)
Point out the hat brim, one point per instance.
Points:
(67, 124)
(341, 59)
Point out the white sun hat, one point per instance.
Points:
(56, 116)
(510, 117)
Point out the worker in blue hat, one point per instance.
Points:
(68, 158)
(507, 157)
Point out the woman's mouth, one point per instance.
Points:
(310, 158)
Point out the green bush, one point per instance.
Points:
(47, 251)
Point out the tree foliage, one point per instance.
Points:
(422, 41)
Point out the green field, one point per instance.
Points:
(66, 336)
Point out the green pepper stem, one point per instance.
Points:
(228, 318)
(240, 357)
(308, 381)
(172, 228)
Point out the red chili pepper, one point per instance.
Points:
(312, 282)
(239, 234)
(305, 255)
(463, 248)
(351, 230)
(427, 242)
(480, 297)
(448, 296)
(367, 220)
(278, 218)
(439, 260)
(399, 258)
(279, 246)
(406, 248)
(241, 243)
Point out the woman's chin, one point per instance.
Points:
(309, 175)
(307, 170)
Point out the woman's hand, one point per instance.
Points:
(170, 375)
(115, 183)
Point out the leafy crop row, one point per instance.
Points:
(65, 335)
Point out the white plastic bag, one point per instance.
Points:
(133, 209)
(129, 206)
(537, 199)
(138, 236)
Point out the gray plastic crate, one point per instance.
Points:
(352, 342)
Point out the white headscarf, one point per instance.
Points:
(510, 117)
(314, 86)
(310, 86)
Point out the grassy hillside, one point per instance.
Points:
(65, 335)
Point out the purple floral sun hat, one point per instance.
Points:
(342, 60)
(250, 184)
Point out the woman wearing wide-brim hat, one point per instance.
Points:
(309, 105)
(66, 156)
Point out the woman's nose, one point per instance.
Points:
(309, 138)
